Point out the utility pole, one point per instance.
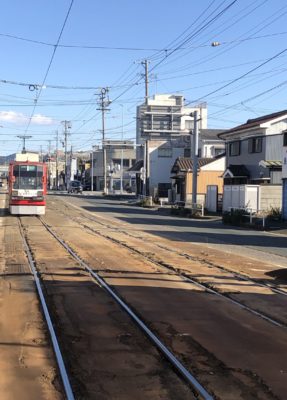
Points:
(49, 164)
(24, 137)
(71, 159)
(57, 160)
(104, 102)
(67, 125)
(122, 151)
(144, 169)
(194, 153)
(145, 64)
(92, 170)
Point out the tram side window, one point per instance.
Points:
(28, 177)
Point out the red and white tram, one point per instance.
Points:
(27, 187)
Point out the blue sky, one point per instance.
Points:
(244, 77)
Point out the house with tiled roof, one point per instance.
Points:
(210, 171)
(254, 155)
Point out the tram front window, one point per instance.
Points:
(28, 177)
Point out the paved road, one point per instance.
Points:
(255, 244)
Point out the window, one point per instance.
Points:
(234, 148)
(189, 124)
(186, 153)
(255, 145)
(28, 177)
(285, 139)
(165, 152)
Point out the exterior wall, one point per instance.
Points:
(276, 127)
(208, 147)
(250, 160)
(270, 197)
(257, 197)
(160, 167)
(218, 164)
(271, 150)
(284, 183)
(111, 154)
(204, 179)
(284, 199)
(167, 108)
(274, 145)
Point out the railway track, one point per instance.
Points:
(173, 360)
(198, 390)
(184, 275)
(55, 343)
(69, 226)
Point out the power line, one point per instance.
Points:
(49, 66)
(74, 46)
(218, 15)
(241, 76)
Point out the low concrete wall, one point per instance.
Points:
(270, 196)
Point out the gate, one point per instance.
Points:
(211, 198)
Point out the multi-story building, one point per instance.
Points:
(120, 156)
(164, 126)
(254, 162)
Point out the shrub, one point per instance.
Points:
(234, 217)
(274, 213)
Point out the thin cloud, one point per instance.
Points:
(20, 118)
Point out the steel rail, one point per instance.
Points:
(209, 263)
(202, 285)
(55, 343)
(164, 350)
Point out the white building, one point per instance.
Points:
(164, 125)
(284, 177)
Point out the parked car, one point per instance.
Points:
(75, 187)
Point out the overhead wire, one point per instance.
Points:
(49, 65)
(191, 36)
